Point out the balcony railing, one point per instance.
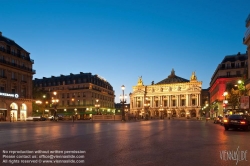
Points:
(16, 54)
(3, 76)
(248, 19)
(17, 66)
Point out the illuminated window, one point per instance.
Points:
(193, 102)
(157, 103)
(2, 73)
(183, 102)
(173, 102)
(165, 103)
(1, 88)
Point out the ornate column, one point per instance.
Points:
(199, 99)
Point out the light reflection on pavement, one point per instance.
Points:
(154, 142)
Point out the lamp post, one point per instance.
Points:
(38, 102)
(161, 110)
(97, 106)
(54, 103)
(225, 102)
(243, 102)
(146, 106)
(241, 87)
(123, 101)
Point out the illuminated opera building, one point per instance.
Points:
(81, 94)
(16, 75)
(172, 97)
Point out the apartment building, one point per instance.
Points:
(16, 75)
(81, 94)
(231, 69)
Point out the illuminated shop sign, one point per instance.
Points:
(9, 95)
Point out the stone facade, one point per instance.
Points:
(78, 93)
(231, 69)
(246, 41)
(15, 81)
(171, 97)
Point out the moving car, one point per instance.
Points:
(223, 118)
(218, 120)
(237, 122)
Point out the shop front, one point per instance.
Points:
(13, 108)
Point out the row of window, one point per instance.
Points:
(83, 94)
(70, 81)
(78, 87)
(15, 62)
(238, 73)
(233, 65)
(14, 75)
(165, 103)
(84, 103)
(13, 51)
(14, 90)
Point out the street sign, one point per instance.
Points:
(244, 102)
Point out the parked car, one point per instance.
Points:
(56, 118)
(34, 118)
(43, 118)
(37, 118)
(60, 117)
(217, 120)
(237, 122)
(50, 118)
(30, 118)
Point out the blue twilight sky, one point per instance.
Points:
(122, 40)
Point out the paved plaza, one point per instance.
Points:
(154, 142)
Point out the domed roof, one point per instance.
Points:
(172, 78)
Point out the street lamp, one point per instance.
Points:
(225, 101)
(243, 97)
(38, 102)
(97, 105)
(54, 103)
(161, 110)
(146, 106)
(123, 101)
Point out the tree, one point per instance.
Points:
(233, 95)
(41, 95)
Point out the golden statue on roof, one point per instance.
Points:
(140, 82)
(193, 77)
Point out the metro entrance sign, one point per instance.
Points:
(9, 95)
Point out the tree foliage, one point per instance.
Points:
(41, 95)
(233, 95)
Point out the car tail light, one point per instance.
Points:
(225, 121)
(242, 122)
